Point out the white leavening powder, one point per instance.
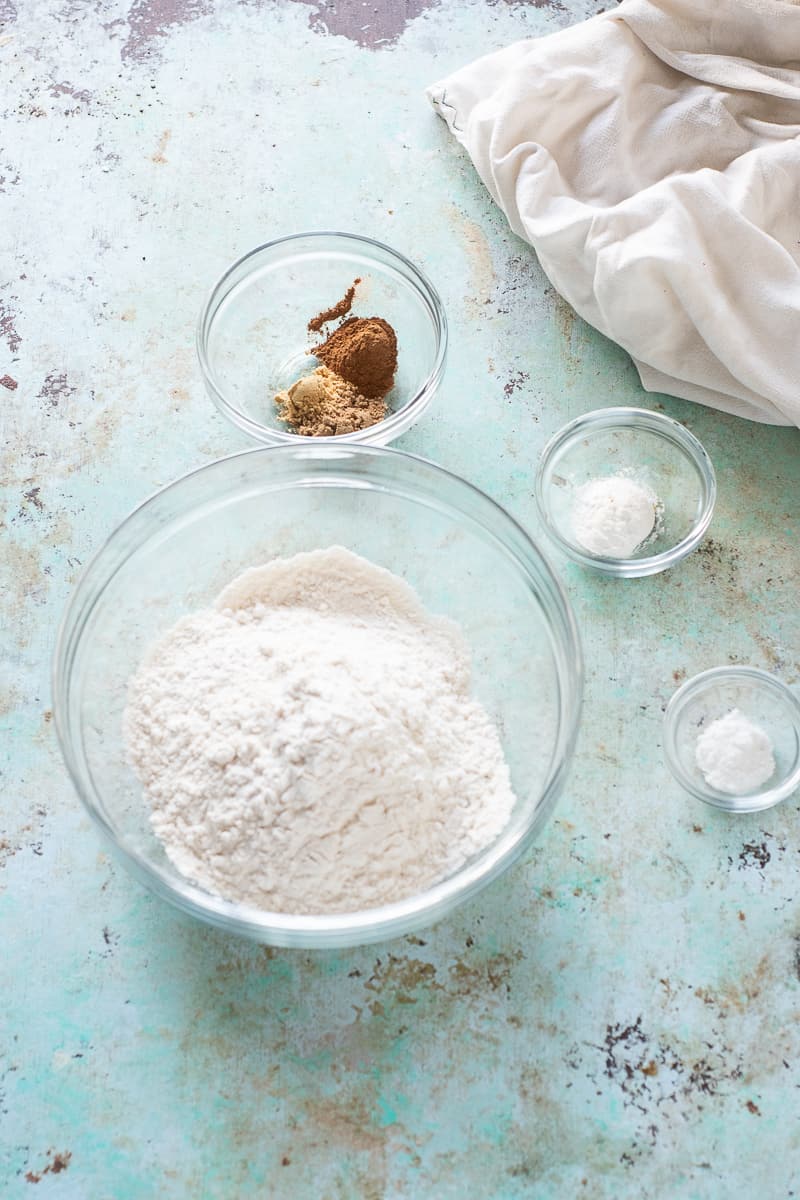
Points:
(310, 743)
(734, 754)
(613, 515)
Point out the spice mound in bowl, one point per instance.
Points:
(347, 393)
(314, 300)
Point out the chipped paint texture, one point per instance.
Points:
(618, 1016)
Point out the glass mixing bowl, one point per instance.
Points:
(648, 447)
(465, 556)
(253, 340)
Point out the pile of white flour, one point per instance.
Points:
(310, 744)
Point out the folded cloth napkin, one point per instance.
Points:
(651, 155)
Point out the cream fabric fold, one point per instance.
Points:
(651, 155)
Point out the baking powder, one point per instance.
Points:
(613, 515)
(735, 755)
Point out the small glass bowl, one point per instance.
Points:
(760, 697)
(649, 448)
(253, 340)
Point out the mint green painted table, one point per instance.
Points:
(616, 1018)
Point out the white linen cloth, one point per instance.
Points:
(651, 155)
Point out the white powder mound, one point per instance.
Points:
(612, 516)
(735, 755)
(310, 743)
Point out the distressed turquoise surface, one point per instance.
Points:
(618, 1017)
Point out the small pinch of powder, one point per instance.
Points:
(323, 404)
(735, 755)
(339, 309)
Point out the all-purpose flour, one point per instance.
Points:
(310, 743)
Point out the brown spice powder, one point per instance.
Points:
(363, 350)
(323, 404)
(339, 309)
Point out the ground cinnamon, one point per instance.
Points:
(339, 309)
(363, 350)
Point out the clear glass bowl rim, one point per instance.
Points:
(622, 417)
(389, 429)
(696, 686)
(422, 909)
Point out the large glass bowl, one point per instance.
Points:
(466, 558)
(253, 340)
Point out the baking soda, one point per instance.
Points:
(612, 516)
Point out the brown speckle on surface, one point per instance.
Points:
(515, 381)
(286, 1161)
(753, 1108)
(9, 383)
(159, 156)
(57, 1164)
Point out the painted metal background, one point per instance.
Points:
(618, 1016)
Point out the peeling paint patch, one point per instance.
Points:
(373, 26)
(55, 388)
(515, 381)
(8, 330)
(64, 88)
(8, 180)
(150, 20)
(32, 497)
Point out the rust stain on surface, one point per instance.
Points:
(163, 142)
(482, 278)
(400, 977)
(496, 971)
(57, 1164)
(9, 383)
